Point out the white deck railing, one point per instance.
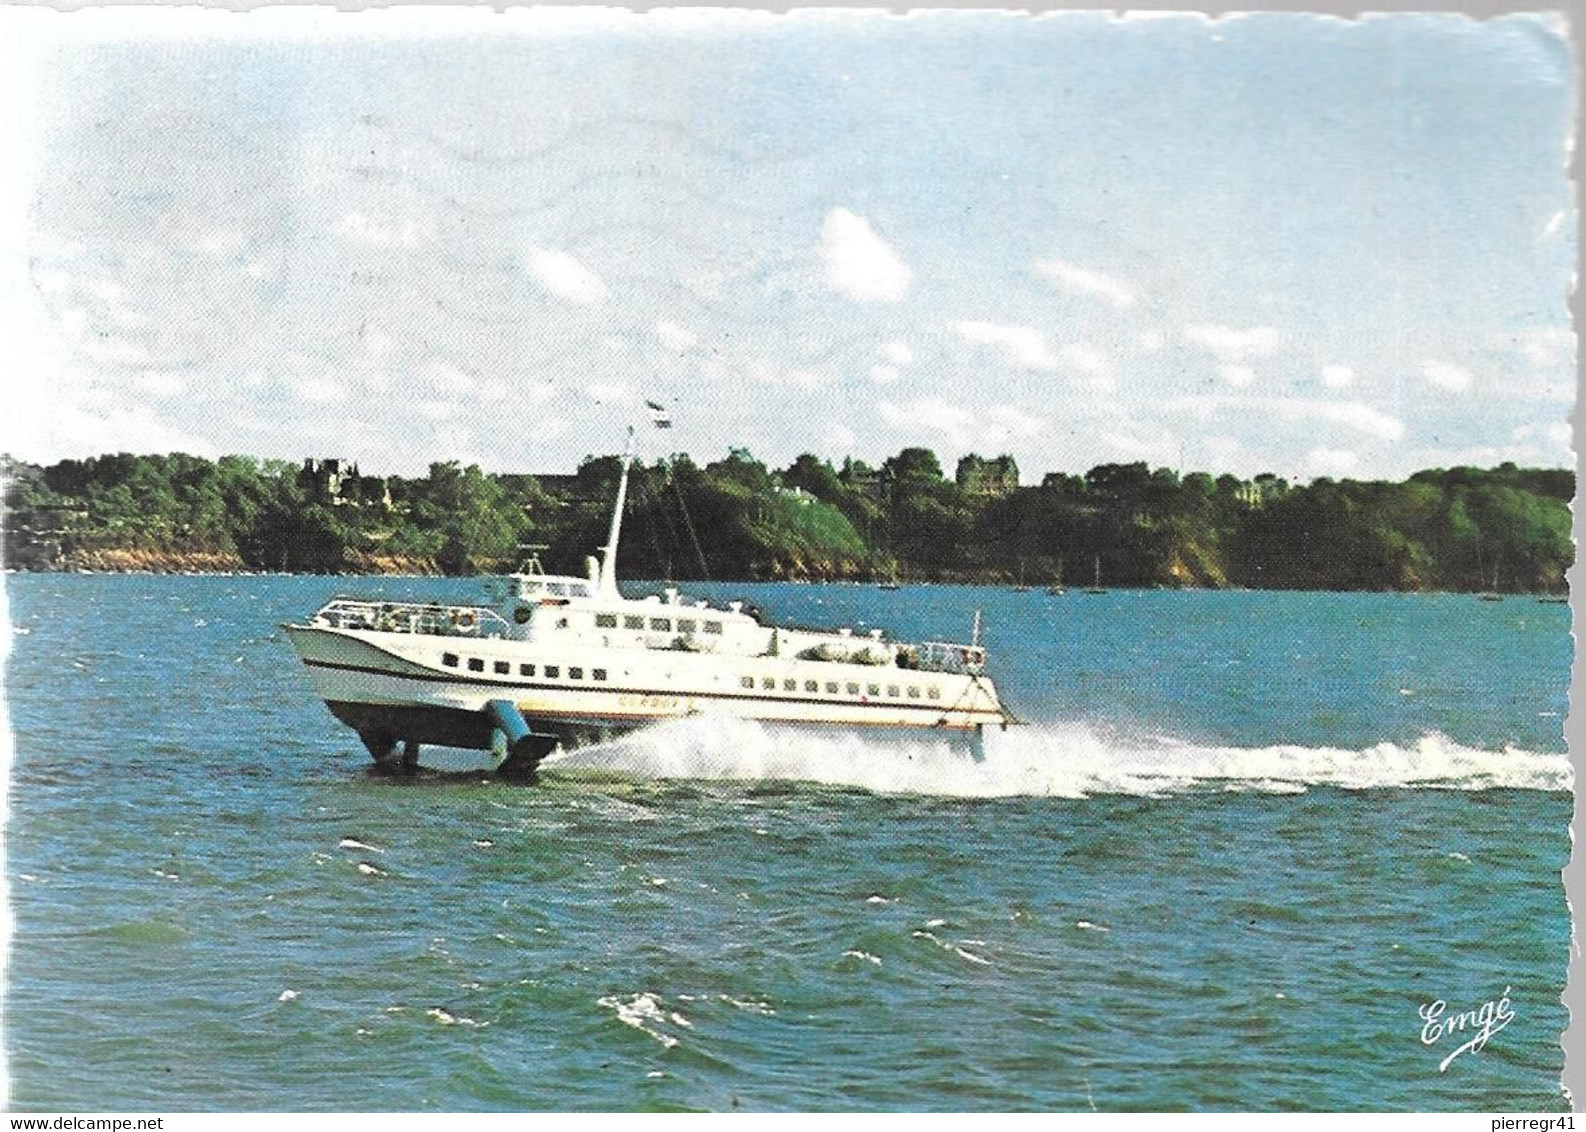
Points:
(425, 618)
(944, 656)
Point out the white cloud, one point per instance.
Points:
(1231, 346)
(675, 336)
(394, 232)
(611, 392)
(445, 376)
(53, 426)
(962, 427)
(839, 437)
(1354, 415)
(1085, 358)
(436, 410)
(222, 243)
(1238, 376)
(265, 267)
(1151, 340)
(884, 375)
(52, 280)
(117, 351)
(858, 263)
(538, 393)
(1337, 377)
(1560, 434)
(564, 277)
(376, 342)
(1014, 420)
(1093, 363)
(779, 376)
(127, 318)
(320, 390)
(1080, 281)
(158, 383)
(73, 321)
(1331, 462)
(107, 291)
(1446, 375)
(1026, 347)
(1543, 346)
(1131, 440)
(931, 413)
(896, 353)
(1554, 223)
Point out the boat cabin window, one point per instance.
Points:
(579, 591)
(746, 681)
(575, 673)
(503, 667)
(687, 625)
(812, 686)
(914, 693)
(892, 689)
(449, 659)
(475, 664)
(557, 588)
(831, 687)
(597, 673)
(661, 624)
(531, 587)
(552, 671)
(853, 689)
(790, 685)
(933, 692)
(713, 627)
(605, 620)
(525, 670)
(768, 682)
(633, 622)
(872, 689)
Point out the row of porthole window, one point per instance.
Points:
(656, 624)
(502, 668)
(768, 684)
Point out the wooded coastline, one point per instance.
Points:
(1460, 529)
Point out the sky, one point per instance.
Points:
(1279, 243)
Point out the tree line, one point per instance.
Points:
(1505, 528)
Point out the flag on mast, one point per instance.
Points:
(659, 416)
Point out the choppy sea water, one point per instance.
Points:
(1244, 838)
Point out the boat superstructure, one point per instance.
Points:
(552, 661)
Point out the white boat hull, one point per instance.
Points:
(393, 686)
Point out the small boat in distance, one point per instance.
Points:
(1490, 594)
(1096, 587)
(554, 662)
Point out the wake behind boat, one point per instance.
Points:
(560, 661)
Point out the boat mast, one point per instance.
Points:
(608, 565)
